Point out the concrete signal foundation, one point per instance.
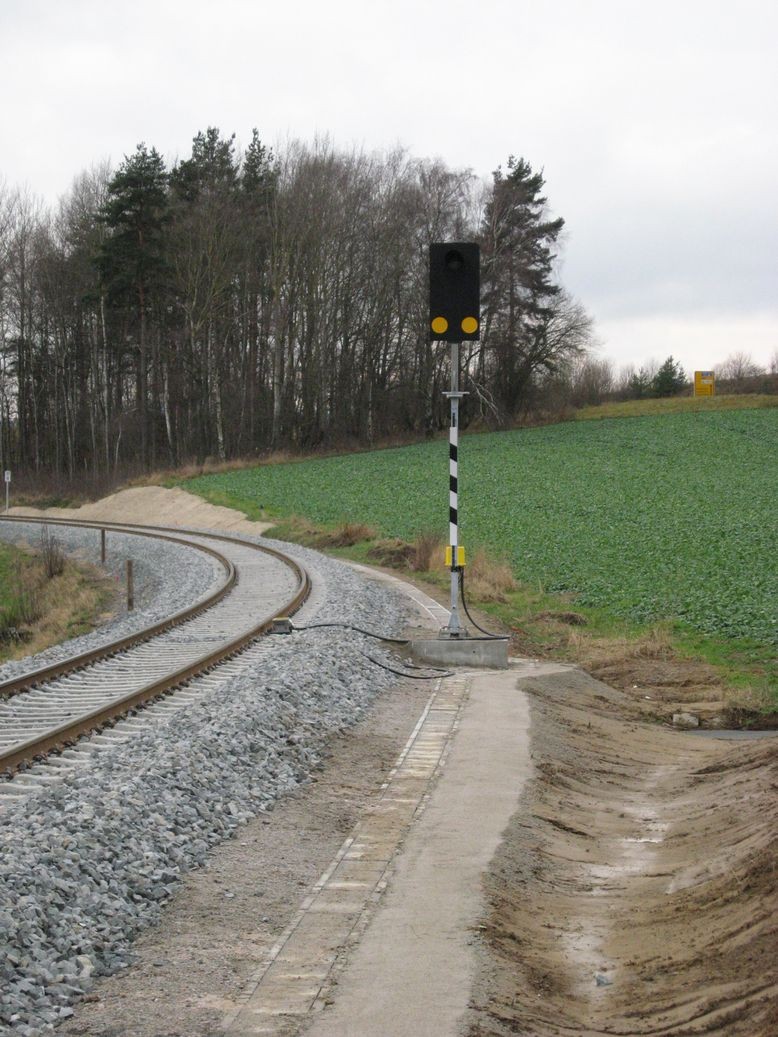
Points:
(462, 651)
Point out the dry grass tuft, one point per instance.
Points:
(346, 535)
(572, 619)
(487, 579)
(298, 530)
(51, 553)
(393, 553)
(162, 476)
(595, 653)
(426, 547)
(55, 609)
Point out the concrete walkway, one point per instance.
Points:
(411, 974)
(382, 945)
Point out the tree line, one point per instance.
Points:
(588, 379)
(242, 301)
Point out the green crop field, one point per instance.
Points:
(669, 516)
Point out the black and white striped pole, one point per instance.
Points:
(455, 554)
(455, 286)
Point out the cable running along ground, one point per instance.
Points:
(377, 662)
(489, 634)
(405, 673)
(359, 630)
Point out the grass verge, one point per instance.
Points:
(674, 405)
(37, 611)
(667, 665)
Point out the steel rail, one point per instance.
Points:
(57, 738)
(28, 680)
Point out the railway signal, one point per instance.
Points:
(455, 316)
(455, 290)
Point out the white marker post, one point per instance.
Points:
(7, 489)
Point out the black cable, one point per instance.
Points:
(413, 666)
(489, 634)
(350, 626)
(439, 672)
(399, 640)
(412, 676)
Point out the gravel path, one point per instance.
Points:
(86, 864)
(168, 577)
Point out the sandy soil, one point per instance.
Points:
(637, 886)
(156, 506)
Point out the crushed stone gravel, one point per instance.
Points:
(168, 577)
(87, 863)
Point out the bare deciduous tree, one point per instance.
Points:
(737, 368)
(245, 301)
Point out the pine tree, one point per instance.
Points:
(669, 379)
(259, 173)
(640, 384)
(211, 168)
(132, 258)
(136, 211)
(518, 289)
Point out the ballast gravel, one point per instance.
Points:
(87, 863)
(168, 577)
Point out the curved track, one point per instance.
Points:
(50, 707)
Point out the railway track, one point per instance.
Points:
(50, 708)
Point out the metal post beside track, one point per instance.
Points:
(130, 586)
(102, 546)
(455, 318)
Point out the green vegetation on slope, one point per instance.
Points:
(18, 600)
(658, 517)
(37, 611)
(6, 571)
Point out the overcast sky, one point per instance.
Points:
(655, 124)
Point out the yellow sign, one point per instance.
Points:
(704, 383)
(460, 556)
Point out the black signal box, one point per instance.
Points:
(455, 291)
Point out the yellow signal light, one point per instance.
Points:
(440, 325)
(469, 325)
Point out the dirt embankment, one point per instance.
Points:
(637, 888)
(155, 505)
